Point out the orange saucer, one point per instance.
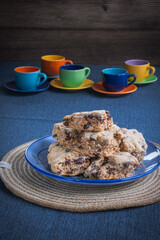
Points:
(98, 87)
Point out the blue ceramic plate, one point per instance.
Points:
(36, 156)
(12, 86)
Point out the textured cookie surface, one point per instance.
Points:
(133, 142)
(89, 143)
(93, 168)
(119, 165)
(97, 120)
(99, 144)
(65, 161)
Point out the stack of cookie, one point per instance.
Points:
(89, 143)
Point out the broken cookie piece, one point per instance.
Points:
(133, 142)
(65, 161)
(89, 121)
(93, 168)
(95, 144)
(119, 165)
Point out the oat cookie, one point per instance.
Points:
(119, 165)
(133, 142)
(89, 121)
(93, 168)
(95, 144)
(65, 161)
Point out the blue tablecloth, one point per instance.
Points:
(24, 117)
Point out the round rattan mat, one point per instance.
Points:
(32, 186)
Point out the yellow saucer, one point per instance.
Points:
(57, 84)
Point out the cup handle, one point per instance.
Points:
(42, 75)
(68, 61)
(87, 71)
(152, 71)
(131, 75)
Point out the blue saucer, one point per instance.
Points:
(12, 86)
(52, 77)
(36, 156)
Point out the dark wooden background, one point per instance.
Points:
(90, 32)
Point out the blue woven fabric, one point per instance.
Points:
(24, 117)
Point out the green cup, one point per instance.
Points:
(73, 76)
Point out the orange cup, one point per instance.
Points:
(50, 64)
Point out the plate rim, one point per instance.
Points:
(52, 76)
(141, 83)
(114, 93)
(25, 91)
(88, 181)
(74, 89)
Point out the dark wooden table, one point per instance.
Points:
(91, 32)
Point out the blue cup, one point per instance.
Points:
(29, 78)
(116, 79)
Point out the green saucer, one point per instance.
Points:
(151, 79)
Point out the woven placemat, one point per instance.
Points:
(25, 182)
